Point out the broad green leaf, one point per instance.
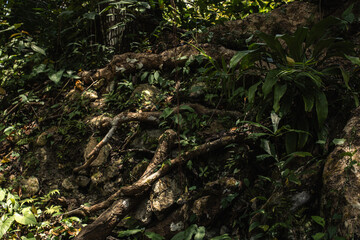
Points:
(238, 56)
(303, 124)
(130, 232)
(190, 231)
(2, 194)
(187, 234)
(294, 43)
(321, 107)
(270, 81)
(154, 236)
(4, 226)
(8, 29)
(348, 14)
(179, 236)
(252, 91)
(354, 60)
(308, 102)
(156, 75)
(38, 49)
(356, 100)
(318, 236)
(90, 15)
(39, 69)
(222, 237)
(339, 141)
(301, 154)
(253, 226)
(27, 218)
(56, 77)
(320, 29)
(167, 112)
(274, 44)
(187, 107)
(319, 220)
(279, 91)
(200, 234)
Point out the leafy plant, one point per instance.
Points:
(294, 78)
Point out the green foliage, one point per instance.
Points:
(32, 217)
(200, 13)
(294, 78)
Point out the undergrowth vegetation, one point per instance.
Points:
(287, 86)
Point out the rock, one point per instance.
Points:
(224, 184)
(224, 230)
(164, 194)
(111, 171)
(147, 139)
(74, 94)
(98, 104)
(30, 186)
(206, 208)
(300, 199)
(97, 178)
(91, 95)
(98, 84)
(82, 181)
(69, 184)
(109, 188)
(143, 212)
(139, 169)
(173, 222)
(41, 139)
(175, 227)
(101, 121)
(103, 154)
(146, 95)
(197, 90)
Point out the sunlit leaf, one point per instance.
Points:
(127, 233)
(4, 226)
(56, 77)
(38, 49)
(319, 220)
(154, 236)
(27, 217)
(238, 56)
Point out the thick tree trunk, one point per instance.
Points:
(341, 178)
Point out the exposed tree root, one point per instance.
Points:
(124, 196)
(148, 117)
(130, 62)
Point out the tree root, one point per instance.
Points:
(149, 117)
(125, 197)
